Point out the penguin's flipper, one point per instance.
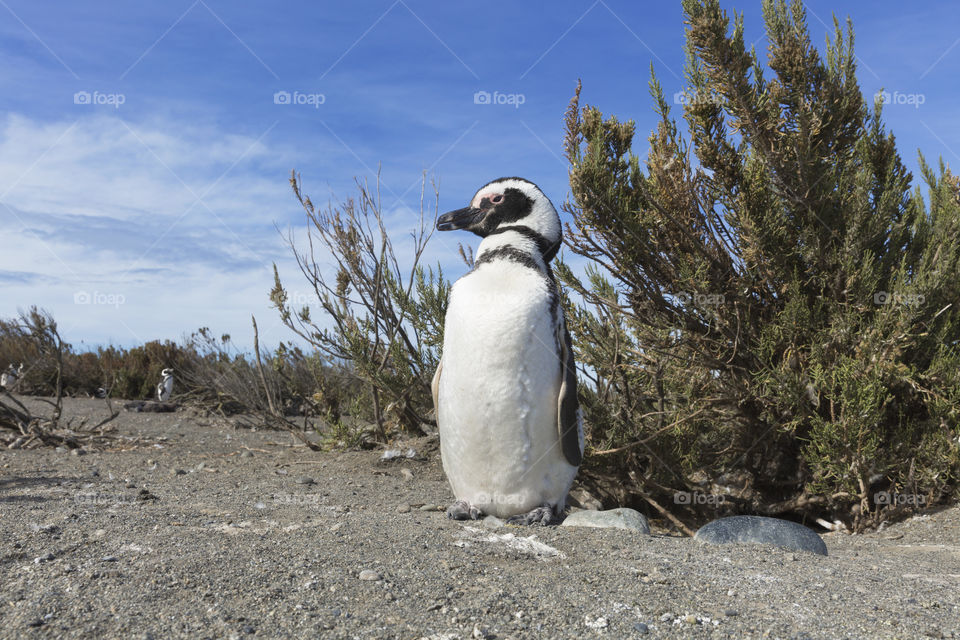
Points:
(435, 387)
(568, 407)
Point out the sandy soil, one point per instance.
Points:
(208, 532)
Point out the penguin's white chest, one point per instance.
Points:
(165, 389)
(498, 392)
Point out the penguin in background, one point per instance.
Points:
(165, 387)
(9, 378)
(511, 430)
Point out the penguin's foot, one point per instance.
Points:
(463, 510)
(541, 516)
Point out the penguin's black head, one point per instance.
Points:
(506, 202)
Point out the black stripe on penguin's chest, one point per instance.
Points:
(526, 260)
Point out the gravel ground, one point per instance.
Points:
(217, 533)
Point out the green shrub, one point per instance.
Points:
(771, 301)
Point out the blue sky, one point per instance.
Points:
(145, 147)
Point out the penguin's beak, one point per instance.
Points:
(459, 219)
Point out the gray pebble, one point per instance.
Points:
(78, 452)
(304, 480)
(246, 454)
(428, 507)
(641, 628)
(403, 508)
(762, 530)
(369, 574)
(177, 472)
(109, 558)
(616, 518)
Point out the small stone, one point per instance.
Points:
(622, 518)
(248, 628)
(109, 558)
(428, 507)
(480, 633)
(177, 472)
(730, 613)
(762, 530)
(78, 452)
(304, 480)
(47, 557)
(641, 628)
(598, 625)
(690, 619)
(369, 574)
(406, 473)
(246, 454)
(403, 508)
(130, 485)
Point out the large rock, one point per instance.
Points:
(615, 518)
(761, 530)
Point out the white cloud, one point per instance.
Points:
(109, 208)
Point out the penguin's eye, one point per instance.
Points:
(497, 199)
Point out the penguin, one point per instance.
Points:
(505, 390)
(8, 379)
(165, 388)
